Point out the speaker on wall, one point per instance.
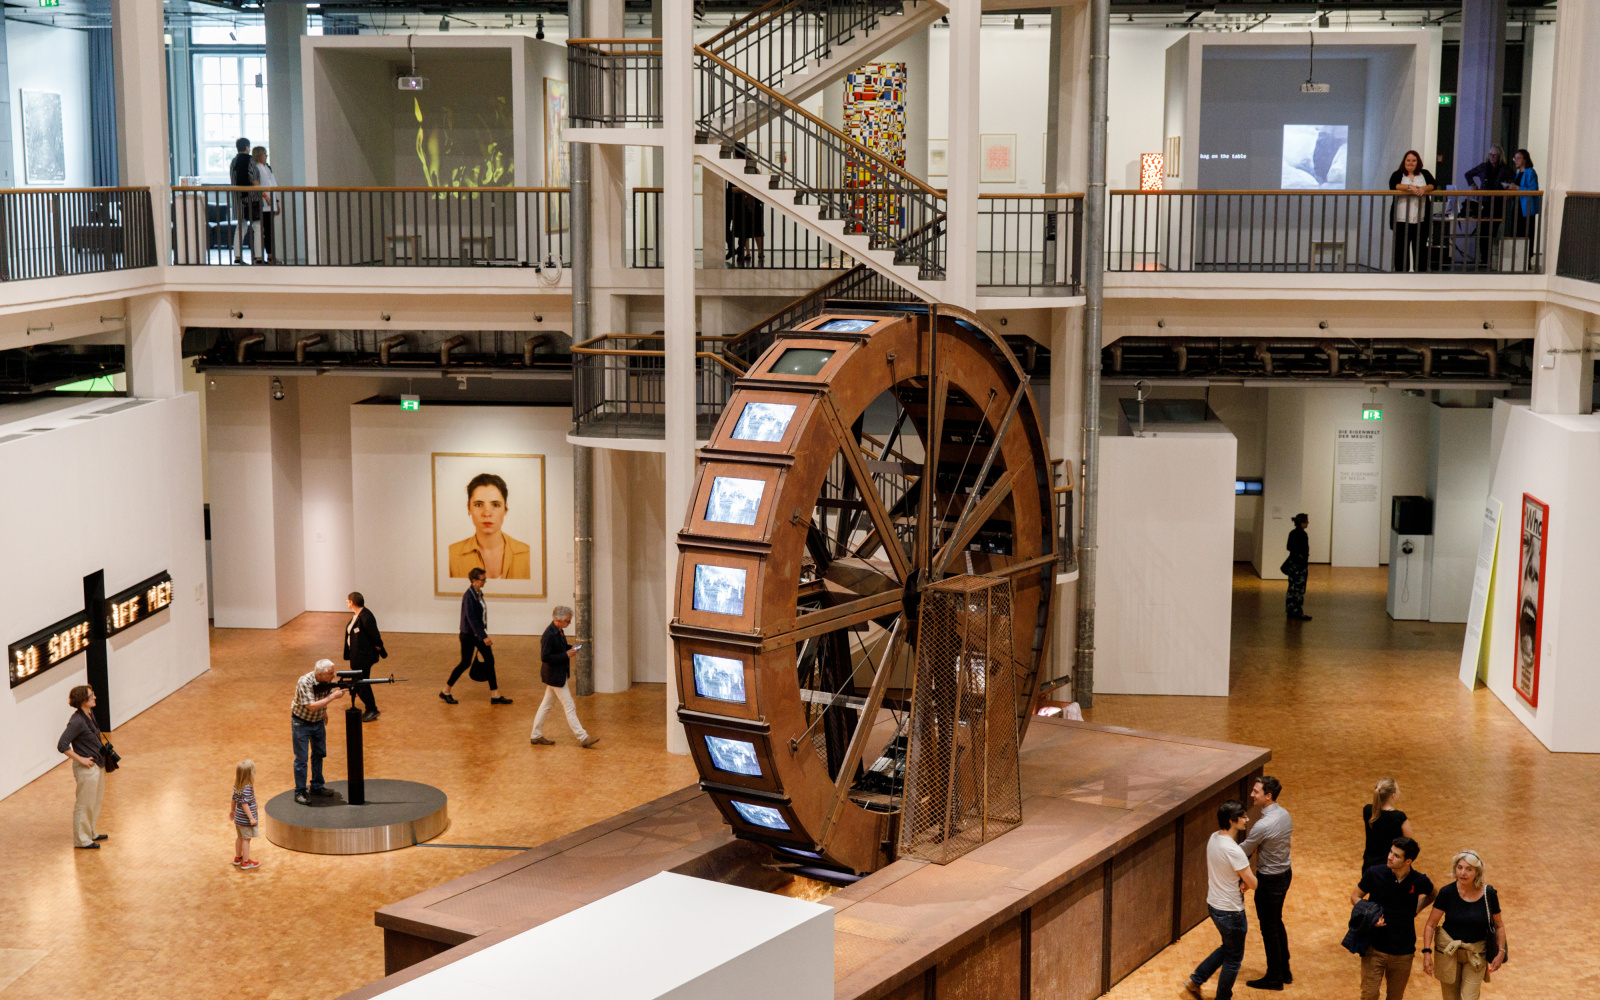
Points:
(1411, 516)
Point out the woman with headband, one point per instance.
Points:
(1465, 937)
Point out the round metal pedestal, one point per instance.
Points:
(397, 814)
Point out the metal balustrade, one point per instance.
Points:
(785, 37)
(1031, 242)
(859, 284)
(1458, 232)
(373, 226)
(614, 82)
(619, 385)
(1579, 253)
(766, 239)
(51, 233)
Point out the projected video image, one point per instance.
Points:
(733, 756)
(734, 501)
(719, 590)
(847, 325)
(763, 422)
(1315, 157)
(806, 361)
(719, 678)
(760, 815)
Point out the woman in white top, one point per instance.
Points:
(270, 206)
(1408, 215)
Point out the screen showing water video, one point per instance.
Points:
(719, 590)
(719, 678)
(733, 756)
(760, 815)
(1315, 157)
(734, 501)
(846, 325)
(800, 361)
(763, 421)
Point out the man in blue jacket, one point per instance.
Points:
(475, 641)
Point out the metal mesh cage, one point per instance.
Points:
(963, 786)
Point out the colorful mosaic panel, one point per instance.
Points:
(875, 109)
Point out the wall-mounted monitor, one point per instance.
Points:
(760, 815)
(846, 326)
(719, 589)
(806, 361)
(763, 422)
(734, 501)
(733, 756)
(1315, 157)
(719, 678)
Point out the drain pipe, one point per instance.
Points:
(388, 344)
(1094, 238)
(582, 457)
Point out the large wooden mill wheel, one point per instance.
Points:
(807, 545)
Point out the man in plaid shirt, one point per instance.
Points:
(308, 719)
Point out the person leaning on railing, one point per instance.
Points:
(1408, 215)
(1527, 205)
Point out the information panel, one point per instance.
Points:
(1357, 493)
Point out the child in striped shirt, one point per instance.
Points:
(243, 814)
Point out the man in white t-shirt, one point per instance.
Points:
(1228, 875)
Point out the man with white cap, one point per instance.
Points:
(308, 719)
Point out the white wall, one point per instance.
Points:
(1556, 459)
(328, 509)
(127, 485)
(1166, 563)
(391, 490)
(630, 600)
(1458, 480)
(54, 60)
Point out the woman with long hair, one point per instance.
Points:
(1409, 215)
(1383, 822)
(1464, 940)
(1528, 205)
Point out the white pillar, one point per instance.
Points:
(1066, 442)
(1574, 162)
(961, 256)
(1563, 382)
(286, 25)
(677, 257)
(138, 35)
(1069, 100)
(155, 346)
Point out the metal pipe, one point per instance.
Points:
(244, 345)
(1094, 224)
(530, 345)
(388, 344)
(309, 340)
(1331, 349)
(448, 346)
(582, 457)
(1264, 355)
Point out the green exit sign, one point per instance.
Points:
(49, 3)
(410, 403)
(1371, 413)
(1445, 100)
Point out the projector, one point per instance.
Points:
(1305, 88)
(411, 82)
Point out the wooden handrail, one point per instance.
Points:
(644, 336)
(56, 190)
(747, 21)
(889, 165)
(613, 41)
(1033, 197)
(614, 352)
(432, 190)
(1331, 194)
(649, 190)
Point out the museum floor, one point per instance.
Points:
(1342, 700)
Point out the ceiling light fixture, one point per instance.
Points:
(1017, 24)
(538, 24)
(1322, 20)
(277, 388)
(444, 23)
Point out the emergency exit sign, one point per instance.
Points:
(1446, 100)
(410, 402)
(49, 3)
(1371, 413)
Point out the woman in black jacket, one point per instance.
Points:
(1409, 215)
(1295, 568)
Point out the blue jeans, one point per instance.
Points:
(1232, 925)
(312, 736)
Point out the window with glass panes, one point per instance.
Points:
(231, 95)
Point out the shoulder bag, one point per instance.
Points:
(479, 671)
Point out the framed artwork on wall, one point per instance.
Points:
(938, 158)
(557, 156)
(44, 156)
(997, 162)
(1530, 598)
(489, 513)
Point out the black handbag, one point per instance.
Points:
(479, 671)
(109, 758)
(1491, 945)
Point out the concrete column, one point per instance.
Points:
(138, 34)
(613, 617)
(713, 221)
(1067, 152)
(677, 256)
(1479, 82)
(961, 255)
(155, 346)
(286, 25)
(1574, 161)
(8, 178)
(1066, 435)
(1563, 381)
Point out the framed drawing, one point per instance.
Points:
(1530, 598)
(938, 158)
(44, 154)
(497, 502)
(997, 163)
(557, 155)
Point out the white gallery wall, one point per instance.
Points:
(1166, 562)
(630, 599)
(123, 495)
(1556, 459)
(1458, 481)
(55, 60)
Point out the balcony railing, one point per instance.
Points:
(1477, 232)
(379, 226)
(791, 36)
(1579, 255)
(755, 235)
(618, 385)
(47, 234)
(1031, 242)
(615, 82)
(859, 284)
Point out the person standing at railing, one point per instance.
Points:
(270, 206)
(1528, 205)
(246, 204)
(1410, 214)
(1493, 174)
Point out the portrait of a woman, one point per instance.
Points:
(489, 548)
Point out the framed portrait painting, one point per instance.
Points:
(1530, 597)
(489, 513)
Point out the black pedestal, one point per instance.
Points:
(357, 795)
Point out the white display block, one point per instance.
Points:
(670, 936)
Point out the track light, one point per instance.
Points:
(538, 25)
(1017, 24)
(444, 23)
(1322, 20)
(277, 387)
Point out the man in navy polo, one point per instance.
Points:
(1403, 892)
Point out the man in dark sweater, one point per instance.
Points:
(1403, 892)
(81, 743)
(555, 664)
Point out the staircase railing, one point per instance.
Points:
(616, 82)
(844, 180)
(619, 385)
(786, 37)
(861, 284)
